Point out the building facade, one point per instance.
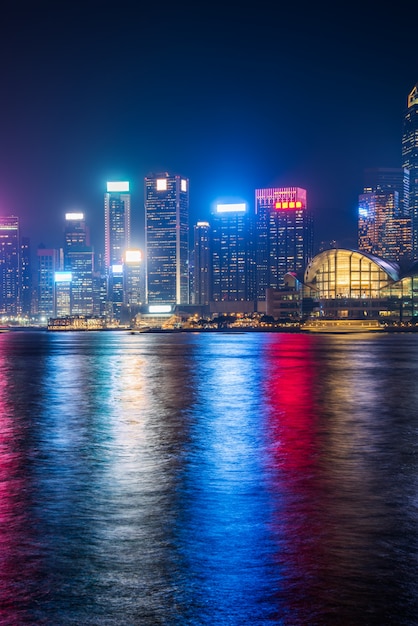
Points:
(117, 210)
(202, 264)
(410, 160)
(384, 225)
(167, 239)
(283, 236)
(48, 264)
(9, 265)
(231, 253)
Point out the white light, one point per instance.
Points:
(133, 256)
(74, 216)
(117, 269)
(159, 308)
(238, 207)
(161, 184)
(118, 186)
(63, 277)
(183, 184)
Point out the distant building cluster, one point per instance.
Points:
(246, 258)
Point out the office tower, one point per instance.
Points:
(117, 205)
(75, 233)
(167, 239)
(25, 277)
(384, 226)
(410, 160)
(202, 264)
(283, 236)
(62, 293)
(78, 259)
(9, 265)
(132, 278)
(231, 253)
(115, 292)
(48, 264)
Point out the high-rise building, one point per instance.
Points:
(48, 264)
(231, 253)
(75, 233)
(79, 260)
(132, 278)
(117, 205)
(9, 265)
(167, 239)
(25, 277)
(283, 236)
(384, 226)
(410, 160)
(202, 264)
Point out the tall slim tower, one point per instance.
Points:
(117, 205)
(202, 266)
(9, 265)
(283, 235)
(167, 239)
(410, 160)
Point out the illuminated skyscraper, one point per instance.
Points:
(117, 205)
(48, 264)
(384, 226)
(410, 160)
(202, 263)
(78, 259)
(9, 265)
(283, 235)
(132, 278)
(231, 253)
(25, 277)
(167, 239)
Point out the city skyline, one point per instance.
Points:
(229, 96)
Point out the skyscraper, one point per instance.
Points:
(283, 235)
(117, 205)
(48, 264)
(167, 239)
(410, 160)
(78, 259)
(384, 226)
(231, 253)
(202, 264)
(9, 265)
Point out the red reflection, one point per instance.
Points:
(293, 459)
(16, 570)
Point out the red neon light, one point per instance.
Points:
(288, 205)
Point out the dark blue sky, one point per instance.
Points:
(234, 96)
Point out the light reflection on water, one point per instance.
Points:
(208, 479)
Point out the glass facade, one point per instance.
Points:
(410, 160)
(167, 239)
(283, 236)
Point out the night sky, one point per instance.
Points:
(234, 96)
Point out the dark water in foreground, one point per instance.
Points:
(208, 479)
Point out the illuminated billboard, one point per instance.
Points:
(159, 308)
(74, 216)
(236, 207)
(63, 277)
(120, 186)
(183, 184)
(288, 205)
(133, 256)
(117, 269)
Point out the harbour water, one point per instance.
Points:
(208, 479)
